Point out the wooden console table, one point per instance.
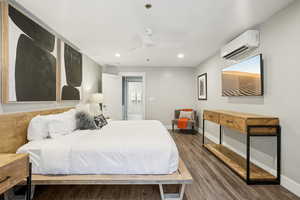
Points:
(252, 126)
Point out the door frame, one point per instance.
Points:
(143, 75)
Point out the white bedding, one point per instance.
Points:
(121, 147)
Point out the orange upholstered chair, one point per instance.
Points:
(190, 122)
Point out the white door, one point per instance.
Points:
(112, 93)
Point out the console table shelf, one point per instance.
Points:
(238, 163)
(252, 126)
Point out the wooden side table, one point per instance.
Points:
(14, 168)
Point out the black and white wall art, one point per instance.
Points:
(202, 87)
(32, 59)
(71, 73)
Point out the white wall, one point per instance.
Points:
(167, 89)
(92, 77)
(280, 42)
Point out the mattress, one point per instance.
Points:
(121, 147)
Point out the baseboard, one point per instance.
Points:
(286, 182)
(290, 185)
(169, 127)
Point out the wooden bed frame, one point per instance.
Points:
(13, 133)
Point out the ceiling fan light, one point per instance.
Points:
(180, 55)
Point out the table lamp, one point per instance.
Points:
(97, 98)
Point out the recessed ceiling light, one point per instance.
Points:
(118, 55)
(180, 55)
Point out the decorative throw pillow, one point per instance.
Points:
(100, 121)
(186, 114)
(85, 121)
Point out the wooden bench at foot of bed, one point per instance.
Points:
(181, 177)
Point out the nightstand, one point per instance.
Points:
(14, 168)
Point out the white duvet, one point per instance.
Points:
(121, 147)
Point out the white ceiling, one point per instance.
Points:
(196, 28)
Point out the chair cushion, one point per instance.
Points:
(186, 114)
(190, 122)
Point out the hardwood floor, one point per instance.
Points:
(212, 181)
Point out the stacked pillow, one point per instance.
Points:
(100, 121)
(86, 121)
(58, 125)
(63, 124)
(186, 114)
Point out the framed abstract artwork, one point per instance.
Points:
(202, 86)
(29, 59)
(71, 73)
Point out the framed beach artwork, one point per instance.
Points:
(202, 86)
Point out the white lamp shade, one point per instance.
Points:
(96, 98)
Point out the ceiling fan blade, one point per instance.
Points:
(134, 49)
(144, 40)
(137, 43)
(148, 41)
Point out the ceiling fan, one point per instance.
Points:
(146, 40)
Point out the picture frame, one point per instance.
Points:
(71, 75)
(202, 86)
(28, 49)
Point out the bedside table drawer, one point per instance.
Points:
(13, 173)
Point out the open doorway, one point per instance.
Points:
(133, 96)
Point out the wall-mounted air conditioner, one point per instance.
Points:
(242, 44)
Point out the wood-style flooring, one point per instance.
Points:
(212, 181)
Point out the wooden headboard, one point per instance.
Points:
(13, 128)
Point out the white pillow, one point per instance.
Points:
(62, 124)
(186, 114)
(58, 128)
(38, 128)
(69, 114)
(91, 108)
(83, 108)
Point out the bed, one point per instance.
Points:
(121, 147)
(123, 152)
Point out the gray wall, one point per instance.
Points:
(91, 82)
(280, 42)
(166, 90)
